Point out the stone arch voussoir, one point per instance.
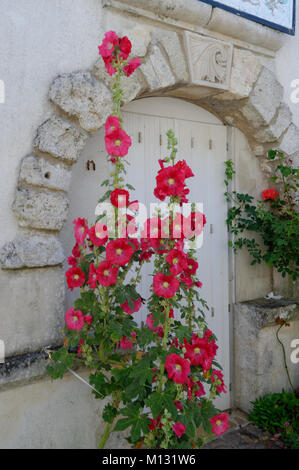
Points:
(238, 89)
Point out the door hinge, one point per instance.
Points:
(139, 137)
(230, 387)
(210, 144)
(192, 142)
(211, 228)
(229, 307)
(160, 139)
(212, 312)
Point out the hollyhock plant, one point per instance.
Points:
(158, 379)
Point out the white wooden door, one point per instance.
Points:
(202, 143)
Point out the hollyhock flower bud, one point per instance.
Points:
(269, 194)
(177, 368)
(74, 319)
(92, 278)
(88, 319)
(119, 251)
(165, 286)
(106, 273)
(217, 378)
(119, 197)
(132, 66)
(111, 124)
(118, 143)
(219, 424)
(75, 277)
(179, 429)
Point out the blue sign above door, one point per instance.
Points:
(277, 14)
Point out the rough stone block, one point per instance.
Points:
(264, 100)
(40, 172)
(245, 70)
(40, 209)
(60, 139)
(31, 252)
(140, 37)
(79, 94)
(276, 129)
(171, 43)
(156, 70)
(32, 308)
(259, 367)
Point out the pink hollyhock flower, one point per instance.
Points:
(111, 124)
(137, 305)
(200, 352)
(118, 143)
(81, 230)
(119, 251)
(109, 67)
(98, 234)
(75, 277)
(74, 319)
(179, 429)
(182, 166)
(191, 267)
(199, 389)
(219, 424)
(132, 66)
(106, 273)
(125, 47)
(119, 197)
(154, 423)
(165, 286)
(177, 261)
(88, 319)
(76, 251)
(186, 279)
(92, 278)
(269, 194)
(217, 377)
(177, 368)
(106, 49)
(170, 181)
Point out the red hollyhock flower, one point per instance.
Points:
(75, 277)
(186, 279)
(111, 124)
(178, 405)
(125, 47)
(179, 429)
(182, 166)
(125, 343)
(88, 319)
(72, 261)
(75, 251)
(119, 198)
(108, 64)
(79, 350)
(106, 273)
(177, 261)
(118, 143)
(119, 251)
(191, 267)
(132, 66)
(217, 377)
(98, 234)
(165, 286)
(269, 194)
(106, 49)
(177, 368)
(219, 424)
(74, 319)
(81, 230)
(92, 278)
(150, 320)
(137, 305)
(200, 352)
(170, 181)
(199, 389)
